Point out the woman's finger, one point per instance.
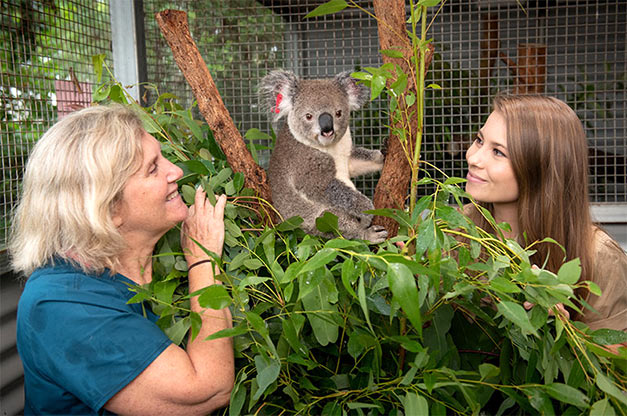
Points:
(219, 208)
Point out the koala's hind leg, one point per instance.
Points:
(360, 227)
(363, 161)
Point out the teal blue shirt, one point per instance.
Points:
(79, 340)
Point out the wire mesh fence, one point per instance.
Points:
(45, 56)
(574, 50)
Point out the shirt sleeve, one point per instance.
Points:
(92, 344)
(610, 275)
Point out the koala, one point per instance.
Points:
(314, 158)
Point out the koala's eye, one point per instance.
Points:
(338, 113)
(308, 116)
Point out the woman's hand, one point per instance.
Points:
(205, 224)
(559, 306)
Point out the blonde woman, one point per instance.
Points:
(529, 167)
(97, 196)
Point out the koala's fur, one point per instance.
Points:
(314, 159)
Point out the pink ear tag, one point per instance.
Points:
(279, 98)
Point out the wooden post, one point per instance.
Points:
(393, 185)
(530, 69)
(175, 30)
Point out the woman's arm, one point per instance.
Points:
(200, 378)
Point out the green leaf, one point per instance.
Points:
(238, 397)
(320, 312)
(214, 297)
(414, 404)
(252, 281)
(488, 371)
(410, 99)
(569, 272)
(516, 314)
(256, 134)
(504, 285)
(149, 123)
(290, 224)
(220, 178)
(602, 408)
(238, 181)
(609, 336)
(348, 276)
(291, 335)
(330, 7)
(428, 3)
(228, 332)
(164, 290)
(267, 372)
(257, 323)
(567, 394)
(177, 332)
(321, 258)
(327, 223)
(392, 53)
(196, 322)
(404, 291)
(98, 62)
(610, 388)
(189, 193)
(376, 86)
(434, 86)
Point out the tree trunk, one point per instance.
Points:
(175, 30)
(391, 190)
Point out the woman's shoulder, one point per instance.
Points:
(606, 248)
(610, 275)
(61, 280)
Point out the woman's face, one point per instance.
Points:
(490, 175)
(151, 204)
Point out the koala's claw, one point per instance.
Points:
(379, 157)
(376, 234)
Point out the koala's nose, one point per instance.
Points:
(326, 124)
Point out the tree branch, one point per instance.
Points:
(391, 190)
(175, 30)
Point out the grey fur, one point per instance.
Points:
(314, 158)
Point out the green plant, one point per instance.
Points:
(434, 325)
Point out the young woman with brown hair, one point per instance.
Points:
(528, 166)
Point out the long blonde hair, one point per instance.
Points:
(549, 155)
(74, 176)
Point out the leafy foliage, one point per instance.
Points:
(427, 322)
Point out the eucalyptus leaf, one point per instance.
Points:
(403, 287)
(567, 394)
(414, 404)
(214, 297)
(516, 314)
(330, 7)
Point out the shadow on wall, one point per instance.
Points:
(11, 372)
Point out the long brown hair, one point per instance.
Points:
(549, 155)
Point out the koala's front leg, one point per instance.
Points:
(363, 161)
(340, 195)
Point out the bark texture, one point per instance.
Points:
(392, 188)
(175, 30)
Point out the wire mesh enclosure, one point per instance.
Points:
(45, 55)
(574, 50)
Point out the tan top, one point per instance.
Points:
(610, 273)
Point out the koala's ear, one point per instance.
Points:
(358, 94)
(276, 93)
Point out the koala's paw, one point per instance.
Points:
(376, 234)
(378, 157)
